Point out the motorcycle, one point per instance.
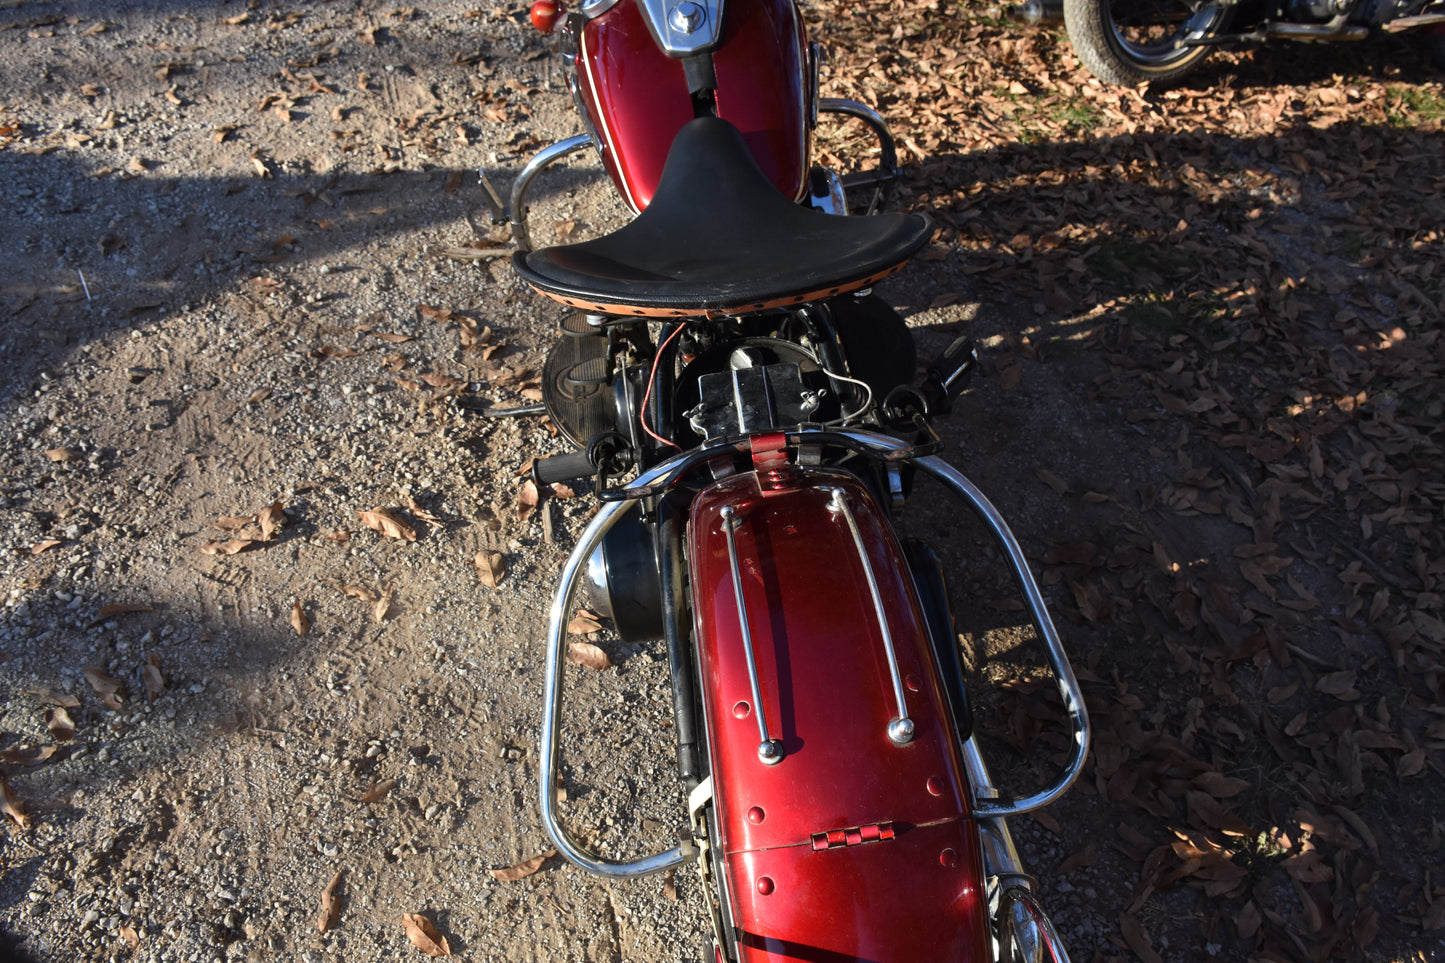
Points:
(1133, 42)
(746, 411)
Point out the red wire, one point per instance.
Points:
(651, 378)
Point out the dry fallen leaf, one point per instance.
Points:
(417, 510)
(378, 790)
(131, 937)
(1138, 938)
(1052, 480)
(1411, 763)
(1047, 821)
(669, 884)
(527, 498)
(123, 608)
(379, 519)
(585, 653)
(299, 621)
(64, 454)
(491, 566)
(272, 518)
(1219, 785)
(360, 592)
(212, 546)
(11, 806)
(332, 351)
(151, 678)
(107, 688)
(61, 726)
(438, 380)
(330, 904)
(523, 869)
(584, 623)
(234, 523)
(45, 546)
(52, 698)
(27, 755)
(382, 608)
(424, 935)
(1084, 857)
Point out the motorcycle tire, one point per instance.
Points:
(1132, 42)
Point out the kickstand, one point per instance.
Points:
(518, 412)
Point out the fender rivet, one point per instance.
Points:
(755, 815)
(765, 885)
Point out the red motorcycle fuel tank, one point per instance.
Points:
(637, 99)
(851, 847)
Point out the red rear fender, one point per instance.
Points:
(851, 846)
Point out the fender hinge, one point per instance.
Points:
(839, 838)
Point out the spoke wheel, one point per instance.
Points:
(1138, 41)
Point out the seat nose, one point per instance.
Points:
(718, 238)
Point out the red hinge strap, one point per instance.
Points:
(854, 836)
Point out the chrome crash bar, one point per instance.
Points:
(883, 179)
(987, 805)
(523, 184)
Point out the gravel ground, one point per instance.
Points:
(223, 221)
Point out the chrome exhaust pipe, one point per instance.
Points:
(1036, 11)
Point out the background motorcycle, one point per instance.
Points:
(1158, 41)
(723, 353)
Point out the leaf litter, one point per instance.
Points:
(1267, 309)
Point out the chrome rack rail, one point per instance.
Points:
(900, 728)
(770, 750)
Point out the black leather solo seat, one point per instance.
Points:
(718, 239)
